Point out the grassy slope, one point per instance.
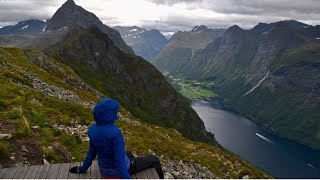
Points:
(18, 112)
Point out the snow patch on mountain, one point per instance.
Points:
(24, 27)
(259, 83)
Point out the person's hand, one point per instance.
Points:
(76, 169)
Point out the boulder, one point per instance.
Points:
(5, 136)
(45, 162)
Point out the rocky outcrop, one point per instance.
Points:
(5, 136)
(49, 90)
(185, 170)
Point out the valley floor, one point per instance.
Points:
(192, 89)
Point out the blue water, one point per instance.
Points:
(279, 157)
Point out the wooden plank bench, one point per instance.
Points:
(61, 171)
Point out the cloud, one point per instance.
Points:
(12, 11)
(247, 13)
(171, 15)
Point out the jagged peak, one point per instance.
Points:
(199, 28)
(154, 30)
(69, 3)
(234, 28)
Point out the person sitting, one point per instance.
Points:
(106, 141)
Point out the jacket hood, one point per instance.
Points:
(106, 112)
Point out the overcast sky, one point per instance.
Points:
(171, 15)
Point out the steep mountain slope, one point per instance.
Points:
(130, 79)
(146, 44)
(182, 47)
(69, 14)
(31, 27)
(46, 109)
(270, 74)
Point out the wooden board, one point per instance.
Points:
(152, 173)
(61, 171)
(21, 172)
(73, 175)
(85, 175)
(64, 171)
(155, 174)
(149, 173)
(3, 171)
(10, 173)
(32, 172)
(133, 176)
(53, 171)
(142, 175)
(42, 172)
(95, 171)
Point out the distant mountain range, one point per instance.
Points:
(21, 32)
(270, 73)
(145, 43)
(182, 46)
(31, 27)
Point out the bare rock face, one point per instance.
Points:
(70, 15)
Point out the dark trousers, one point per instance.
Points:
(139, 164)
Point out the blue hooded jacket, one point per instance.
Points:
(106, 141)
